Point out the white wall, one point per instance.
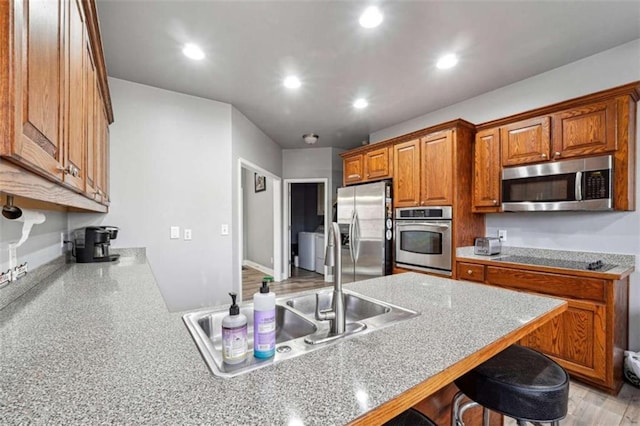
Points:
(258, 221)
(617, 232)
(250, 144)
(314, 163)
(171, 166)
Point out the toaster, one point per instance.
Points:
(486, 246)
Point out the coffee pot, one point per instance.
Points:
(91, 244)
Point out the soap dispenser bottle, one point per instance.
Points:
(264, 322)
(234, 334)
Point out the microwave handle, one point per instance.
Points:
(578, 185)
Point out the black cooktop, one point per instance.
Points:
(592, 265)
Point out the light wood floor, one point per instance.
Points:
(587, 406)
(590, 407)
(300, 280)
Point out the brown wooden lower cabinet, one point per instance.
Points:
(588, 339)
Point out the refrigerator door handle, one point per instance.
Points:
(356, 236)
(351, 224)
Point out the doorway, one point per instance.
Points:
(260, 227)
(307, 217)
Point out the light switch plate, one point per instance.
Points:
(502, 234)
(187, 234)
(175, 232)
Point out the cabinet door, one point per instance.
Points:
(75, 140)
(406, 176)
(486, 171)
(436, 152)
(90, 88)
(377, 164)
(576, 339)
(586, 130)
(353, 170)
(526, 141)
(100, 153)
(38, 86)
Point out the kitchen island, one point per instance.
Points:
(94, 343)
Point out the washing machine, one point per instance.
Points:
(307, 250)
(320, 252)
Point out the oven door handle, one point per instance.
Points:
(430, 224)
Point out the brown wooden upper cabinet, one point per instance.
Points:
(423, 171)
(373, 163)
(53, 84)
(436, 184)
(406, 176)
(526, 141)
(574, 132)
(38, 89)
(353, 169)
(377, 163)
(586, 130)
(486, 171)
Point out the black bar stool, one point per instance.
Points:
(518, 382)
(410, 417)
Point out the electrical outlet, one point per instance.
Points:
(502, 234)
(187, 234)
(62, 240)
(175, 232)
(224, 229)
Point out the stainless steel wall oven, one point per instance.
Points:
(423, 239)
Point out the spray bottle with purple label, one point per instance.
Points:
(264, 321)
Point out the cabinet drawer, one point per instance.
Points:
(552, 284)
(470, 272)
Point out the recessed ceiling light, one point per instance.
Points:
(447, 61)
(360, 103)
(192, 51)
(371, 17)
(292, 82)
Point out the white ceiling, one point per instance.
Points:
(251, 46)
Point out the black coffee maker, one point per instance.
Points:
(91, 244)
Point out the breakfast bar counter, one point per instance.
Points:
(94, 343)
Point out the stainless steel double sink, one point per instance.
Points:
(295, 320)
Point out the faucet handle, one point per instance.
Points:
(323, 314)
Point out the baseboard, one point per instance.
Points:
(257, 266)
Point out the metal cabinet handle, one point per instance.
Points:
(69, 170)
(354, 176)
(470, 272)
(556, 154)
(495, 202)
(543, 155)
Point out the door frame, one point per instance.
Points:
(286, 219)
(277, 220)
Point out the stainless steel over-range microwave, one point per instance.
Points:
(582, 184)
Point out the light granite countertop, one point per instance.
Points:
(95, 344)
(624, 263)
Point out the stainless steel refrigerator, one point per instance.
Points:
(365, 215)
